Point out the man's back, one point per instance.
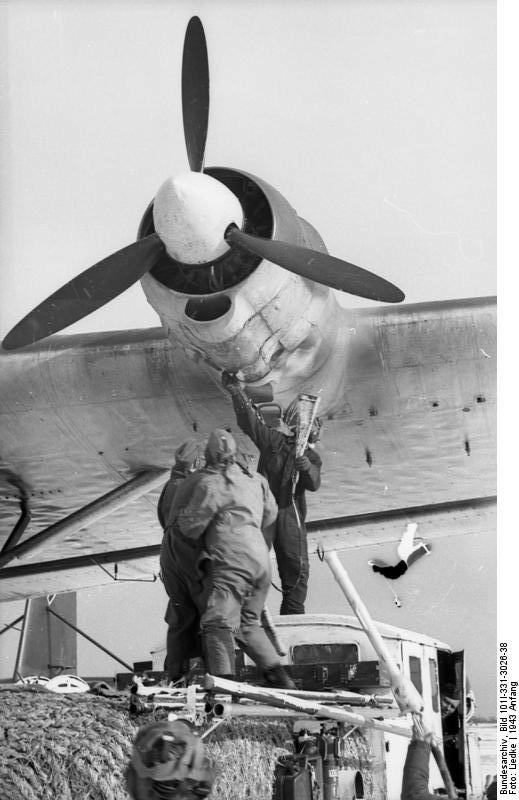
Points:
(224, 498)
(167, 495)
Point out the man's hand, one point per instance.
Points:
(422, 734)
(303, 463)
(230, 382)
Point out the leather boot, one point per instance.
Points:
(278, 678)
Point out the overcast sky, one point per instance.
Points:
(376, 120)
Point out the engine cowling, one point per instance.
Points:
(239, 312)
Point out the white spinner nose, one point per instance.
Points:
(191, 213)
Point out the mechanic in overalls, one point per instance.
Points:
(226, 508)
(278, 463)
(179, 572)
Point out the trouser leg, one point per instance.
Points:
(253, 640)
(291, 548)
(183, 638)
(219, 656)
(233, 611)
(181, 581)
(251, 636)
(218, 623)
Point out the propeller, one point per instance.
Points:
(317, 266)
(87, 292)
(110, 277)
(195, 93)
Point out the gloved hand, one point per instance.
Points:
(422, 733)
(230, 382)
(303, 463)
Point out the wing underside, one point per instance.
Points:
(411, 432)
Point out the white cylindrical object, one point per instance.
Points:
(229, 710)
(406, 695)
(270, 629)
(362, 613)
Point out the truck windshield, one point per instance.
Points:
(338, 653)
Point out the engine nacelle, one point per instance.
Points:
(242, 313)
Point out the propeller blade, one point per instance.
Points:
(318, 267)
(87, 292)
(195, 93)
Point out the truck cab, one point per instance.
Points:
(329, 651)
(326, 652)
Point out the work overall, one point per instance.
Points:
(228, 508)
(182, 581)
(179, 571)
(277, 464)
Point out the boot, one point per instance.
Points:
(278, 678)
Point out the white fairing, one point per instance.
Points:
(273, 326)
(191, 213)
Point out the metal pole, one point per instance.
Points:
(262, 695)
(363, 615)
(406, 695)
(270, 629)
(226, 710)
(89, 638)
(19, 529)
(342, 696)
(12, 624)
(93, 512)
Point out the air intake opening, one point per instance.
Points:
(207, 309)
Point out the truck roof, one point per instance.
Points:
(350, 621)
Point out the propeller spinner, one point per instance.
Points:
(217, 229)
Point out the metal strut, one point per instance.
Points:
(19, 529)
(12, 624)
(405, 693)
(102, 507)
(89, 638)
(115, 576)
(315, 529)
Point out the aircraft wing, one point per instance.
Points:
(412, 436)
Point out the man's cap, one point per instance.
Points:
(221, 447)
(187, 454)
(451, 692)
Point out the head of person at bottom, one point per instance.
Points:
(221, 448)
(168, 761)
